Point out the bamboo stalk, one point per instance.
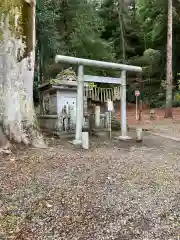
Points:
(90, 93)
(111, 94)
(95, 94)
(101, 97)
(106, 94)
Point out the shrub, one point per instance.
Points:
(116, 124)
(177, 97)
(176, 103)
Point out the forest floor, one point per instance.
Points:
(145, 116)
(169, 128)
(116, 190)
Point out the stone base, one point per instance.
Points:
(85, 140)
(76, 142)
(124, 138)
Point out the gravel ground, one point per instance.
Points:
(171, 130)
(116, 190)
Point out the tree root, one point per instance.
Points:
(27, 135)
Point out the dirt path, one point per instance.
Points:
(117, 190)
(145, 116)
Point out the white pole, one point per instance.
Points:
(97, 116)
(136, 108)
(85, 140)
(110, 128)
(123, 105)
(79, 105)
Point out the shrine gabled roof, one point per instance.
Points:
(63, 85)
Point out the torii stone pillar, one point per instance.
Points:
(79, 106)
(124, 135)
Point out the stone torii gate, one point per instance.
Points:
(80, 89)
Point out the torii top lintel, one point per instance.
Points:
(94, 63)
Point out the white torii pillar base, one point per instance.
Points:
(76, 142)
(124, 138)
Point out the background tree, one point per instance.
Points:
(73, 29)
(98, 30)
(168, 112)
(120, 17)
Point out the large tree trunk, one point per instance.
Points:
(168, 111)
(17, 115)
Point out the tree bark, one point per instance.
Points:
(168, 110)
(120, 3)
(17, 115)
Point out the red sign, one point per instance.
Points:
(137, 93)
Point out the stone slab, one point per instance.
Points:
(123, 138)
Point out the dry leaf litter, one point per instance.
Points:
(116, 190)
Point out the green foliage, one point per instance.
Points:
(48, 36)
(115, 124)
(91, 29)
(74, 28)
(177, 96)
(176, 103)
(111, 33)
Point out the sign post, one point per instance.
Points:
(137, 94)
(140, 110)
(110, 110)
